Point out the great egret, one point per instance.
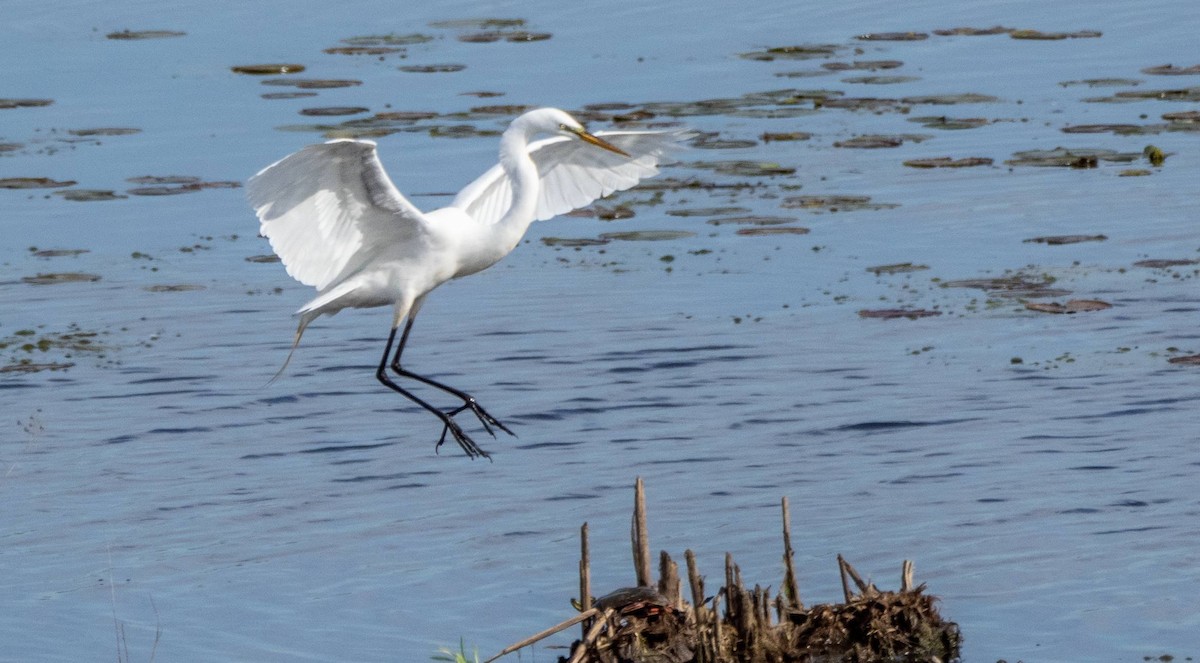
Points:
(339, 224)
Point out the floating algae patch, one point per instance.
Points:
(1071, 306)
(447, 68)
(56, 253)
(25, 346)
(268, 69)
(1185, 360)
(896, 313)
(951, 99)
(648, 235)
(773, 231)
(182, 287)
(1190, 94)
(799, 52)
(1123, 129)
(574, 242)
(135, 35)
(948, 162)
(1019, 285)
(56, 278)
(897, 268)
(312, 83)
(362, 50)
(893, 36)
(333, 111)
(862, 65)
(1161, 263)
(24, 103)
(1103, 82)
(1058, 240)
(287, 95)
(781, 136)
(1054, 36)
(34, 183)
(105, 131)
(880, 80)
(973, 32)
(879, 141)
(713, 143)
(950, 123)
(745, 168)
(170, 185)
(707, 211)
(1063, 157)
(751, 220)
(478, 23)
(89, 195)
(388, 40)
(264, 258)
(834, 203)
(1172, 70)
(515, 36)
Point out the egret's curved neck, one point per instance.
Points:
(522, 172)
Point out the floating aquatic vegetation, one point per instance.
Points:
(478, 23)
(267, 69)
(1135, 172)
(404, 116)
(880, 80)
(388, 40)
(362, 50)
(264, 258)
(460, 131)
(1053, 36)
(799, 52)
(89, 195)
(897, 268)
(33, 183)
(182, 287)
(950, 123)
(56, 253)
(1172, 70)
(105, 131)
(333, 111)
(773, 231)
(1183, 117)
(448, 68)
(893, 36)
(132, 35)
(769, 136)
(1058, 240)
(1191, 94)
(287, 95)
(1162, 263)
(862, 65)
(707, 211)
(1022, 286)
(640, 115)
(24, 103)
(676, 184)
(60, 277)
(1124, 129)
(948, 162)
(23, 344)
(1187, 360)
(573, 242)
(950, 99)
(973, 32)
(745, 168)
(312, 83)
(860, 103)
(10, 147)
(648, 235)
(516, 36)
(1070, 157)
(752, 220)
(1103, 82)
(613, 213)
(710, 142)
(1072, 306)
(834, 203)
(896, 313)
(169, 185)
(870, 142)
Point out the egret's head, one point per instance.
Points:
(561, 123)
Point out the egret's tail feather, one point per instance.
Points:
(304, 320)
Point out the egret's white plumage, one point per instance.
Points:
(339, 224)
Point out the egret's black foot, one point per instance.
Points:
(468, 445)
(486, 419)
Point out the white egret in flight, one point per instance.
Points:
(339, 224)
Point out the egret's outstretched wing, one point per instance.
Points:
(330, 208)
(573, 173)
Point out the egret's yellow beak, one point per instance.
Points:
(589, 138)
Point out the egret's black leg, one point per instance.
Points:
(469, 402)
(468, 445)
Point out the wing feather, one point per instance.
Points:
(573, 173)
(329, 208)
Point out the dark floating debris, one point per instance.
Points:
(893, 36)
(1072, 306)
(57, 253)
(745, 168)
(105, 131)
(948, 162)
(880, 80)
(362, 50)
(170, 185)
(772, 231)
(433, 68)
(733, 624)
(1154, 155)
(707, 211)
(574, 242)
(894, 313)
(647, 235)
(897, 268)
(785, 136)
(333, 111)
(862, 65)
(1017, 286)
(951, 99)
(1187, 360)
(288, 95)
(387, 40)
(1103, 82)
(516, 36)
(24, 103)
(33, 183)
(89, 195)
(1178, 94)
(60, 277)
(870, 142)
(973, 32)
(1172, 70)
(1102, 128)
(1070, 157)
(1053, 36)
(751, 221)
(1058, 240)
(1165, 263)
(800, 52)
(131, 35)
(267, 69)
(182, 287)
(263, 258)
(834, 203)
(478, 23)
(312, 83)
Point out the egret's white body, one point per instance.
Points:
(339, 224)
